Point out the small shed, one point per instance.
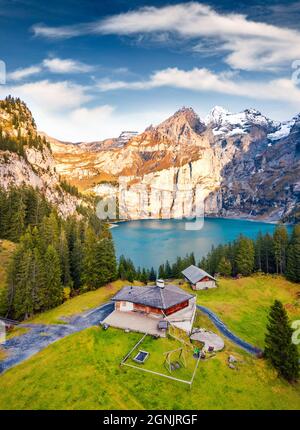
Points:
(163, 325)
(198, 278)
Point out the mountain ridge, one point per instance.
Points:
(26, 157)
(245, 165)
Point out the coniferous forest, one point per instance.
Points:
(274, 254)
(55, 258)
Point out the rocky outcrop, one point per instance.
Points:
(26, 159)
(230, 165)
(239, 165)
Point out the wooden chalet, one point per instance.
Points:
(198, 278)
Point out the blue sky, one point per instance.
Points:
(90, 69)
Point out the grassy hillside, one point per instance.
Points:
(80, 303)
(243, 304)
(82, 372)
(6, 250)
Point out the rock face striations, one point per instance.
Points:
(243, 165)
(26, 157)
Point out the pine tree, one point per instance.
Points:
(267, 250)
(40, 275)
(280, 238)
(152, 275)
(50, 231)
(224, 267)
(106, 266)
(76, 264)
(121, 271)
(23, 305)
(244, 258)
(192, 259)
(16, 215)
(258, 251)
(89, 275)
(279, 349)
(168, 270)
(161, 272)
(64, 260)
(144, 276)
(100, 264)
(53, 287)
(130, 276)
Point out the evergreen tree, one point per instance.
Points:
(106, 265)
(23, 306)
(138, 274)
(224, 267)
(130, 276)
(75, 252)
(152, 275)
(64, 260)
(144, 276)
(168, 270)
(192, 259)
(293, 256)
(267, 249)
(279, 349)
(53, 294)
(90, 275)
(244, 258)
(280, 239)
(258, 246)
(16, 216)
(161, 272)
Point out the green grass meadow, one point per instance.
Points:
(83, 371)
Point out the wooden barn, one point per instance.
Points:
(198, 278)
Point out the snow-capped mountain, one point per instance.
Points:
(284, 129)
(125, 136)
(244, 164)
(230, 156)
(223, 122)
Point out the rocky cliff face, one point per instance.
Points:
(26, 159)
(231, 165)
(241, 165)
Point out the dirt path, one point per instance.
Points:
(227, 333)
(39, 336)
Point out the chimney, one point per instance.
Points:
(160, 283)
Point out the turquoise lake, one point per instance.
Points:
(152, 242)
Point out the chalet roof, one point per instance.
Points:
(194, 274)
(156, 297)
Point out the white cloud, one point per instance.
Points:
(79, 124)
(246, 44)
(52, 65)
(58, 65)
(20, 74)
(60, 110)
(63, 32)
(201, 79)
(52, 96)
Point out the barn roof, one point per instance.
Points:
(156, 297)
(194, 274)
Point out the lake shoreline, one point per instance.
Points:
(114, 224)
(150, 242)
